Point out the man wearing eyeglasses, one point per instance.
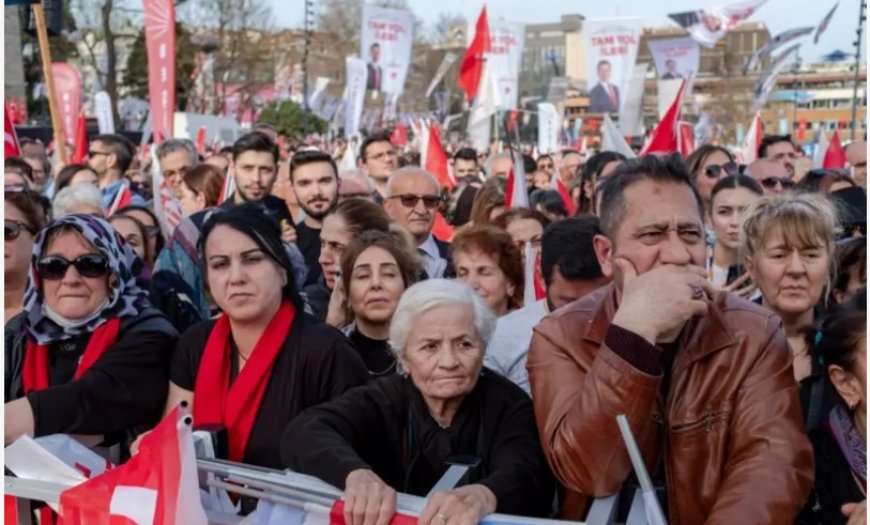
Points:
(781, 149)
(413, 197)
(378, 158)
(771, 174)
(176, 156)
(110, 157)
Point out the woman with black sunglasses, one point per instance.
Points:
(708, 165)
(24, 215)
(89, 355)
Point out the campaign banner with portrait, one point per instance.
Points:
(708, 26)
(506, 52)
(385, 47)
(611, 51)
(675, 58)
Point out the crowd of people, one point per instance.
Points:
(371, 327)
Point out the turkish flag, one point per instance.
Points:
(441, 230)
(81, 139)
(399, 136)
(158, 485)
(557, 184)
(10, 139)
(664, 138)
(835, 156)
(687, 139)
(436, 158)
(471, 68)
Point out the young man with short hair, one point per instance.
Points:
(378, 158)
(314, 178)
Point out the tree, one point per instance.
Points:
(290, 119)
(136, 77)
(443, 31)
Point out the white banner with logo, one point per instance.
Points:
(355, 93)
(506, 42)
(611, 52)
(385, 47)
(549, 126)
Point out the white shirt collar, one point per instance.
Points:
(430, 247)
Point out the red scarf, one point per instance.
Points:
(35, 374)
(235, 407)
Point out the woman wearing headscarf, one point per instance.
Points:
(263, 360)
(88, 355)
(400, 433)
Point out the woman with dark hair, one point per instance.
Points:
(839, 439)
(489, 201)
(200, 188)
(74, 174)
(263, 360)
(728, 200)
(486, 258)
(88, 354)
(851, 256)
(707, 165)
(345, 222)
(24, 215)
(152, 226)
(825, 181)
(134, 234)
(599, 166)
(526, 227)
(376, 269)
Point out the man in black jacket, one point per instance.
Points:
(255, 168)
(314, 178)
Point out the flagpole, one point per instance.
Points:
(861, 19)
(45, 53)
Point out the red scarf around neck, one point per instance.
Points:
(236, 407)
(35, 374)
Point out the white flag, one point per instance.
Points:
(485, 105)
(821, 149)
(103, 109)
(355, 93)
(548, 128)
(612, 139)
(446, 62)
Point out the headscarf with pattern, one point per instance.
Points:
(126, 296)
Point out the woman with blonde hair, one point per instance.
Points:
(787, 242)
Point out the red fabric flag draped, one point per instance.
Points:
(158, 485)
(835, 156)
(471, 68)
(436, 158)
(687, 139)
(557, 184)
(160, 43)
(399, 136)
(664, 138)
(81, 139)
(10, 138)
(200, 141)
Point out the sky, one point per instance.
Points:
(779, 15)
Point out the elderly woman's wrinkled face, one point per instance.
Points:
(83, 287)
(444, 353)
(244, 281)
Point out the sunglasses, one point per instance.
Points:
(771, 182)
(12, 229)
(410, 201)
(92, 154)
(715, 171)
(91, 265)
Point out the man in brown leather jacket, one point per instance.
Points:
(703, 377)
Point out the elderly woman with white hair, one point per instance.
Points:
(400, 433)
(84, 199)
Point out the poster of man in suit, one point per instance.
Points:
(611, 52)
(385, 46)
(675, 58)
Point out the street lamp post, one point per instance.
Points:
(309, 25)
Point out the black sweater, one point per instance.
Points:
(385, 426)
(126, 387)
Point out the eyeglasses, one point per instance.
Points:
(410, 201)
(771, 182)
(12, 229)
(715, 171)
(91, 265)
(92, 154)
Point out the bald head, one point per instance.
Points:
(769, 173)
(856, 156)
(411, 176)
(355, 184)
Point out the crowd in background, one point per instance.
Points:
(369, 326)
